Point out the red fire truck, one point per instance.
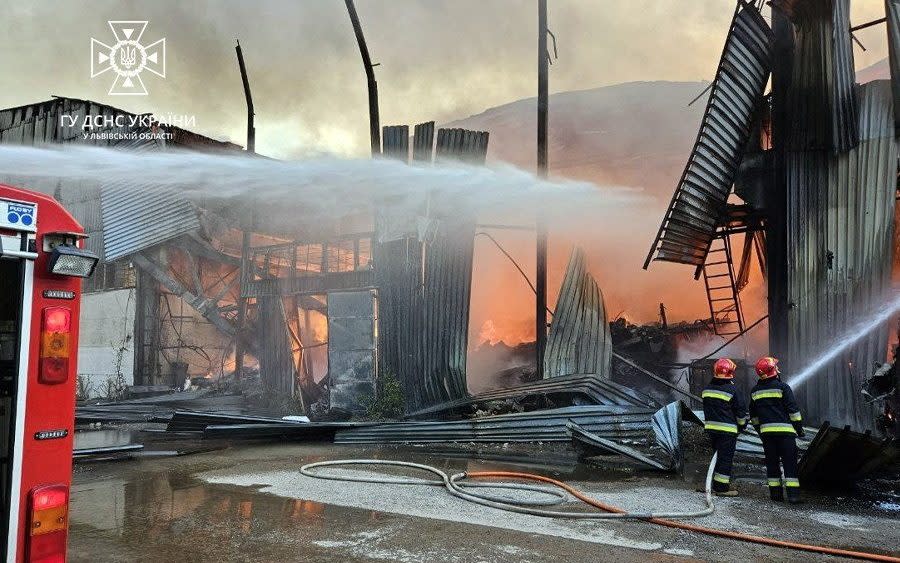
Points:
(41, 263)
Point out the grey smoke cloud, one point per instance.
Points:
(440, 59)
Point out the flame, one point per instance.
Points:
(503, 304)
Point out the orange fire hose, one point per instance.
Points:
(690, 527)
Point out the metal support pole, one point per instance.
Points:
(542, 107)
(776, 200)
(241, 332)
(251, 129)
(374, 127)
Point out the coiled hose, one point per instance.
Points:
(455, 486)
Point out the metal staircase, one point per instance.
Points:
(721, 290)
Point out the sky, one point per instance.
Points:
(439, 59)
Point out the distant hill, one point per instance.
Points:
(878, 71)
(636, 134)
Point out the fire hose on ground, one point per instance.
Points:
(455, 485)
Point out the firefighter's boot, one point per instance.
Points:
(776, 492)
(792, 490)
(793, 495)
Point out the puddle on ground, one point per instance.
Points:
(175, 517)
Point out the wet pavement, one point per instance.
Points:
(249, 503)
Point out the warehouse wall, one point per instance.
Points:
(106, 340)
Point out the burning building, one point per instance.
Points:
(807, 174)
(135, 329)
(331, 300)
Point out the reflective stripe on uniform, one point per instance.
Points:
(767, 394)
(791, 482)
(721, 426)
(719, 478)
(776, 482)
(709, 394)
(777, 427)
(795, 416)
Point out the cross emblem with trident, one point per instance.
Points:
(128, 58)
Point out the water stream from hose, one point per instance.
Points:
(850, 338)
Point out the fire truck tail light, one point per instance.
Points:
(66, 260)
(56, 324)
(48, 520)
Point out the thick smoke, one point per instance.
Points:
(439, 59)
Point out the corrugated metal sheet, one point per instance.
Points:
(841, 457)
(462, 145)
(423, 142)
(604, 446)
(138, 215)
(42, 123)
(579, 339)
(821, 96)
(892, 8)
(840, 224)
(699, 200)
(540, 426)
(395, 142)
(424, 284)
(666, 423)
(276, 359)
(576, 389)
(445, 304)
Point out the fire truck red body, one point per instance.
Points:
(40, 290)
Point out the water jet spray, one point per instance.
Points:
(850, 338)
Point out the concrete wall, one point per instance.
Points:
(107, 325)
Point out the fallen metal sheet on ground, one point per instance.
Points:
(194, 421)
(666, 424)
(591, 443)
(612, 421)
(157, 408)
(107, 452)
(562, 390)
(840, 456)
(89, 414)
(307, 431)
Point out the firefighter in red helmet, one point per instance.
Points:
(725, 415)
(776, 416)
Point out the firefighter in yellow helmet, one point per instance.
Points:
(776, 416)
(725, 415)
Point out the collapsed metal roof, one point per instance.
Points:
(42, 123)
(699, 201)
(566, 389)
(131, 216)
(549, 425)
(137, 216)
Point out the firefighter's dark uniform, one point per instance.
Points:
(776, 416)
(725, 414)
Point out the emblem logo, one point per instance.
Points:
(128, 58)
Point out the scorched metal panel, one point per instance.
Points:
(699, 200)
